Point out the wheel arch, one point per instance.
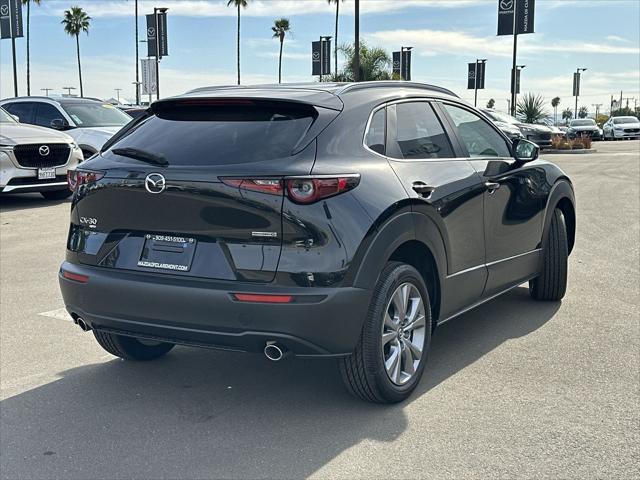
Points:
(411, 238)
(562, 197)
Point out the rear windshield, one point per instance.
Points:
(583, 123)
(220, 134)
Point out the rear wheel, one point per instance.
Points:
(57, 194)
(551, 285)
(130, 348)
(391, 354)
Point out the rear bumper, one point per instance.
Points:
(320, 322)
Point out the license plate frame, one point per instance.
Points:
(46, 174)
(170, 253)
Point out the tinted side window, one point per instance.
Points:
(24, 110)
(375, 138)
(479, 137)
(418, 133)
(45, 113)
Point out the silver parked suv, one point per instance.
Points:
(89, 122)
(35, 159)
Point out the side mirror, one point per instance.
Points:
(524, 150)
(59, 124)
(16, 118)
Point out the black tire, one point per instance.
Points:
(551, 285)
(57, 194)
(130, 348)
(363, 372)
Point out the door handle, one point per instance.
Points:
(492, 186)
(423, 189)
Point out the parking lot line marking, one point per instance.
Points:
(60, 314)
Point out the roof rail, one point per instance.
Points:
(394, 83)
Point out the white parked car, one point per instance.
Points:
(90, 122)
(621, 127)
(35, 159)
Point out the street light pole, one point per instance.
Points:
(575, 113)
(118, 90)
(402, 50)
(68, 89)
(475, 83)
(157, 10)
(46, 91)
(356, 57)
(137, 59)
(515, 88)
(515, 54)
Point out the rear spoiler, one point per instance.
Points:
(308, 96)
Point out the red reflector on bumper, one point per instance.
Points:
(256, 298)
(75, 277)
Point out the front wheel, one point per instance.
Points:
(390, 357)
(57, 194)
(551, 284)
(130, 348)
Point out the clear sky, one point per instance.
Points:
(601, 35)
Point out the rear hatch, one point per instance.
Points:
(188, 190)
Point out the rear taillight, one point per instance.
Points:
(76, 178)
(304, 190)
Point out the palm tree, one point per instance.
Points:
(531, 108)
(554, 103)
(491, 103)
(374, 64)
(335, 38)
(567, 114)
(238, 4)
(75, 22)
(280, 29)
(583, 112)
(28, 4)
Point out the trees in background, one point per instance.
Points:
(280, 29)
(531, 108)
(374, 63)
(75, 22)
(238, 4)
(555, 101)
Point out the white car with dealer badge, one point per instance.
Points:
(35, 159)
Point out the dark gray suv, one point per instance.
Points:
(338, 221)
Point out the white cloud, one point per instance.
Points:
(256, 8)
(429, 42)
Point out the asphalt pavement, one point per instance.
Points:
(514, 389)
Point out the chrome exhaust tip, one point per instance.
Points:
(82, 324)
(274, 352)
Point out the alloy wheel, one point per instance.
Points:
(403, 333)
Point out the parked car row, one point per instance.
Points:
(618, 128)
(539, 134)
(41, 138)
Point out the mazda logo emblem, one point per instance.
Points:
(44, 150)
(151, 32)
(155, 183)
(506, 4)
(316, 56)
(4, 10)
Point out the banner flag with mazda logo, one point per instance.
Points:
(475, 76)
(157, 35)
(10, 19)
(321, 57)
(402, 65)
(524, 11)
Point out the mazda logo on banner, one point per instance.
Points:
(475, 76)
(157, 34)
(506, 5)
(321, 57)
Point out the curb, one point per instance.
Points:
(582, 151)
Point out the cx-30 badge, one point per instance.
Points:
(44, 150)
(155, 183)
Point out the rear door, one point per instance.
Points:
(25, 111)
(446, 189)
(514, 200)
(207, 200)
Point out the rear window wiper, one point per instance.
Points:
(141, 155)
